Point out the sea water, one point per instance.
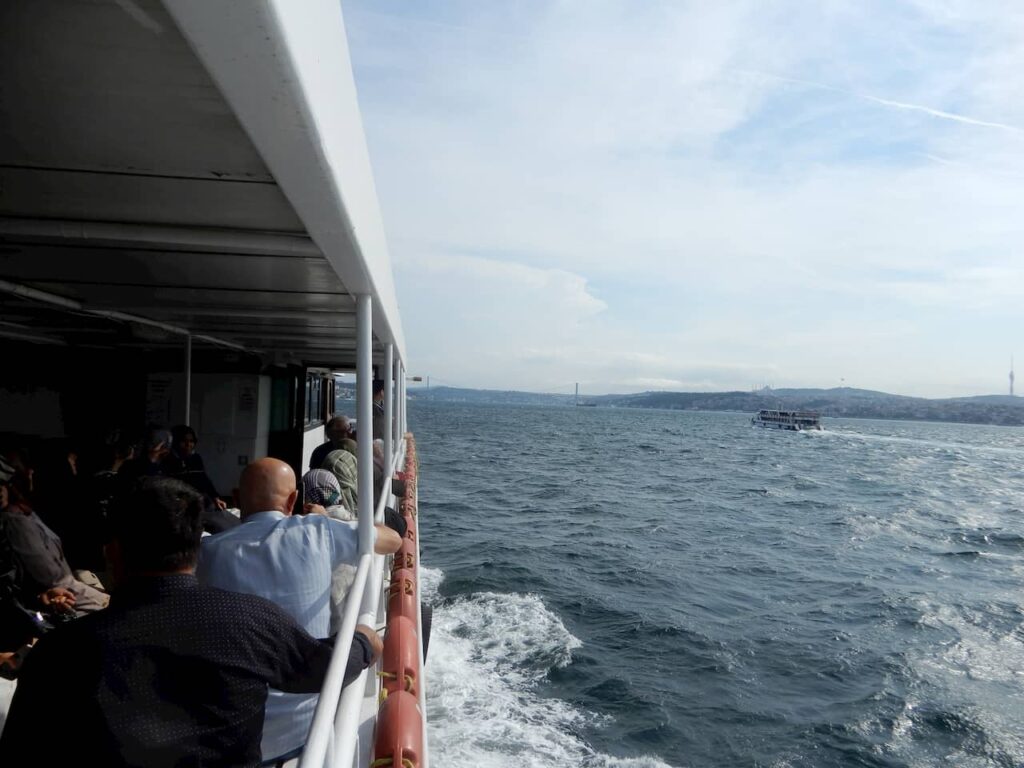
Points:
(618, 587)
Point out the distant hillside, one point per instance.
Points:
(841, 401)
(491, 396)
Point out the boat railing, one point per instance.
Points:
(334, 733)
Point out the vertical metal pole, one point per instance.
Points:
(389, 403)
(399, 432)
(364, 428)
(187, 419)
(401, 400)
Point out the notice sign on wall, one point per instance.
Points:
(246, 399)
(159, 390)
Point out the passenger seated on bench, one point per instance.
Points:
(38, 551)
(56, 486)
(63, 500)
(342, 464)
(337, 430)
(23, 617)
(172, 673)
(101, 493)
(148, 461)
(321, 488)
(21, 620)
(288, 559)
(183, 463)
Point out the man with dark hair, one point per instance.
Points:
(171, 673)
(338, 429)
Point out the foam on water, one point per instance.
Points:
(916, 441)
(983, 658)
(986, 649)
(488, 653)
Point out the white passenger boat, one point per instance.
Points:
(190, 233)
(797, 421)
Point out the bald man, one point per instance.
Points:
(288, 560)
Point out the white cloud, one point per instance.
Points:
(623, 188)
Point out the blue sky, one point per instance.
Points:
(701, 196)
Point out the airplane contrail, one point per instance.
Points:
(942, 115)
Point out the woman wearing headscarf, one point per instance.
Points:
(342, 464)
(321, 487)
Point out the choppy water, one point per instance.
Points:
(649, 588)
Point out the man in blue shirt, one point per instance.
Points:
(288, 560)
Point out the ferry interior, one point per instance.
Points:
(190, 234)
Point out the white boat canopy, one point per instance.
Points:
(190, 167)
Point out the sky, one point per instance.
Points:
(701, 196)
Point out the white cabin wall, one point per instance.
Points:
(230, 413)
(311, 440)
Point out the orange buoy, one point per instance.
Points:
(400, 664)
(399, 741)
(410, 531)
(402, 595)
(408, 548)
(405, 558)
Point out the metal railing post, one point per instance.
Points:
(389, 403)
(364, 424)
(402, 400)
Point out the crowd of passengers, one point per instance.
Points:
(148, 625)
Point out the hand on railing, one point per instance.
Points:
(376, 644)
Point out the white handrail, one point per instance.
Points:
(346, 722)
(320, 731)
(333, 732)
(385, 493)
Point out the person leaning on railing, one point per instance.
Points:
(171, 673)
(288, 559)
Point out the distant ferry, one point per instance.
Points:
(796, 421)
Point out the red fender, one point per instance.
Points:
(402, 595)
(405, 558)
(401, 659)
(399, 741)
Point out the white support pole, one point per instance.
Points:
(389, 403)
(364, 423)
(405, 403)
(188, 381)
(400, 428)
(399, 402)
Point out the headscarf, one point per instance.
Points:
(342, 465)
(321, 487)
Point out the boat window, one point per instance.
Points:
(315, 392)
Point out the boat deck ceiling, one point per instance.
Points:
(129, 184)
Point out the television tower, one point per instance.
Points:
(1011, 375)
